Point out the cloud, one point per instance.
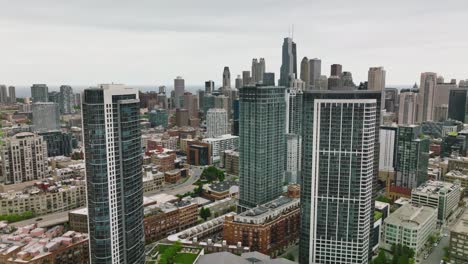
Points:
(151, 42)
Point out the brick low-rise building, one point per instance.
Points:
(166, 162)
(231, 162)
(268, 228)
(172, 176)
(164, 219)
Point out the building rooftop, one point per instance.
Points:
(410, 216)
(457, 174)
(381, 205)
(246, 258)
(223, 186)
(435, 188)
(81, 211)
(268, 211)
(36, 243)
(462, 224)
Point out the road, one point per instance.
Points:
(62, 217)
(183, 187)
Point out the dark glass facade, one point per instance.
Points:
(262, 144)
(458, 108)
(58, 143)
(113, 156)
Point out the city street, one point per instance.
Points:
(186, 186)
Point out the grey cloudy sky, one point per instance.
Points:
(87, 42)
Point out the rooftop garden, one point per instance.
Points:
(172, 254)
(377, 215)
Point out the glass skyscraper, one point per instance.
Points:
(288, 69)
(112, 142)
(262, 144)
(339, 166)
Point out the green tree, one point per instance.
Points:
(212, 173)
(205, 213)
(384, 199)
(290, 257)
(381, 258)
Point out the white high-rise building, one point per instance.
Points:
(388, 141)
(407, 111)
(340, 149)
(12, 94)
(216, 122)
(376, 79)
(426, 97)
(66, 100)
(23, 158)
(315, 71)
(293, 158)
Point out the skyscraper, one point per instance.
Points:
(305, 72)
(258, 69)
(426, 97)
(376, 79)
(216, 123)
(412, 158)
(246, 79)
(238, 82)
(262, 141)
(226, 77)
(3, 94)
(391, 100)
(336, 70)
(315, 67)
(209, 87)
(179, 90)
(407, 110)
(112, 143)
(269, 79)
(441, 98)
(12, 94)
(46, 116)
(288, 69)
(458, 105)
(340, 161)
(66, 100)
(39, 93)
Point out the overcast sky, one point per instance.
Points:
(149, 42)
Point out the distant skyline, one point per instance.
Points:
(150, 42)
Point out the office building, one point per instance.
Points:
(66, 101)
(209, 87)
(220, 144)
(179, 90)
(376, 79)
(198, 153)
(444, 196)
(3, 94)
(226, 78)
(408, 105)
(288, 69)
(39, 93)
(268, 228)
(269, 79)
(426, 97)
(388, 145)
(412, 159)
(442, 98)
(46, 116)
(336, 70)
(58, 143)
(322, 83)
(24, 158)
(293, 99)
(459, 240)
(258, 69)
(458, 105)
(305, 72)
(391, 100)
(340, 146)
(262, 140)
(239, 82)
(158, 117)
(411, 226)
(231, 162)
(113, 174)
(182, 117)
(54, 97)
(315, 71)
(12, 94)
(191, 104)
(293, 158)
(461, 177)
(216, 123)
(246, 79)
(78, 99)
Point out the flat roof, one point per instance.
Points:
(434, 187)
(411, 216)
(462, 224)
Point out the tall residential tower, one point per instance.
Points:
(112, 141)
